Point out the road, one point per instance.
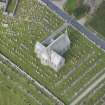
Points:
(73, 22)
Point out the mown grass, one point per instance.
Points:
(76, 8)
(97, 21)
(11, 6)
(70, 5)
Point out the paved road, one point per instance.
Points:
(73, 22)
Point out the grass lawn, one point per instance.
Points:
(98, 20)
(11, 6)
(70, 5)
(76, 7)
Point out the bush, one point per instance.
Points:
(81, 10)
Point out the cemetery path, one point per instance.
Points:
(92, 36)
(89, 89)
(35, 82)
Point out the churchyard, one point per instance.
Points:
(97, 96)
(17, 90)
(33, 22)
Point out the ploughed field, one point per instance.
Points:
(18, 35)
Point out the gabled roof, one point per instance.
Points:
(60, 44)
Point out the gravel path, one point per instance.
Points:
(89, 89)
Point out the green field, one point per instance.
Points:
(98, 20)
(32, 23)
(11, 6)
(71, 5)
(76, 8)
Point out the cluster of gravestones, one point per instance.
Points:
(77, 80)
(8, 76)
(20, 52)
(23, 48)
